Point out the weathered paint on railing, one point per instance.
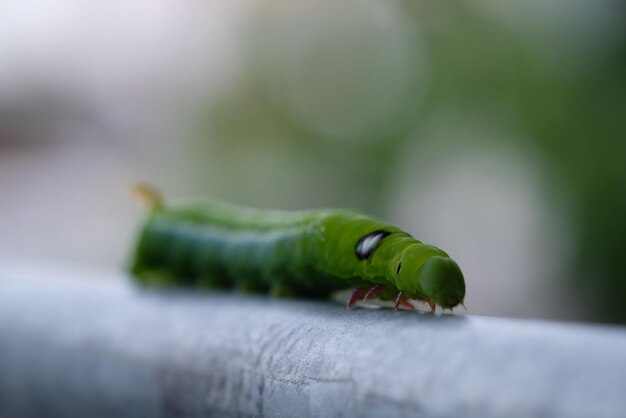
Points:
(94, 345)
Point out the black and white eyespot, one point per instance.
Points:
(366, 245)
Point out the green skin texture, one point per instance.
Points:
(308, 253)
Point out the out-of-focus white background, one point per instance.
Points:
(493, 130)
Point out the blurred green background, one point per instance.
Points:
(493, 130)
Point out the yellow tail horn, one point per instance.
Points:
(148, 195)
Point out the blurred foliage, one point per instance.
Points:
(334, 91)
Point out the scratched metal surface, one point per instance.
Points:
(89, 343)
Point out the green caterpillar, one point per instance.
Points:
(309, 254)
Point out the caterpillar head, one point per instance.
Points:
(442, 281)
(439, 278)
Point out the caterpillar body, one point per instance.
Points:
(308, 253)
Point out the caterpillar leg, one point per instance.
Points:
(213, 282)
(357, 295)
(279, 290)
(401, 300)
(373, 292)
(431, 304)
(250, 287)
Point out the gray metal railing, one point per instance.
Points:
(94, 346)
